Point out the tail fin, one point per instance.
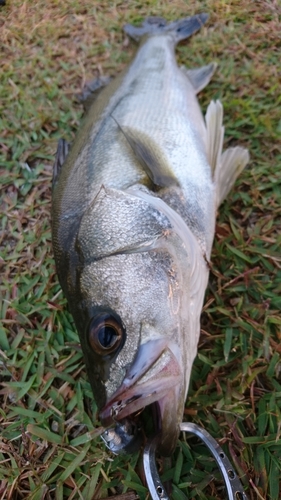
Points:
(179, 30)
(227, 165)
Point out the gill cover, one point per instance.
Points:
(123, 271)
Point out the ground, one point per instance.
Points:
(49, 437)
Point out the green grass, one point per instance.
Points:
(49, 437)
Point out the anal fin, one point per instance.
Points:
(200, 77)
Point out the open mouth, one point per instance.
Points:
(155, 378)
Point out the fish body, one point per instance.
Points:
(133, 217)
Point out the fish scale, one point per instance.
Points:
(175, 125)
(133, 215)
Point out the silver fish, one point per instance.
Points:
(133, 219)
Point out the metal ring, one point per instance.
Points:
(157, 491)
(233, 485)
(155, 486)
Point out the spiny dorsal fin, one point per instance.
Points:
(200, 77)
(225, 166)
(61, 154)
(149, 156)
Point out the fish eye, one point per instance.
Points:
(105, 334)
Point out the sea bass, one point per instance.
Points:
(133, 220)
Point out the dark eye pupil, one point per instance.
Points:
(107, 336)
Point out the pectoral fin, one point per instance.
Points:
(149, 155)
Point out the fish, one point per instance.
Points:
(134, 204)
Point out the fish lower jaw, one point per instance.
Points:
(136, 398)
(163, 391)
(166, 408)
(155, 371)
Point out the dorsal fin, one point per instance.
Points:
(91, 90)
(61, 154)
(149, 155)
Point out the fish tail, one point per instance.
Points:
(227, 165)
(179, 30)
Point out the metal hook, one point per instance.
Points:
(234, 487)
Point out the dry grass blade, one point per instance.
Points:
(49, 444)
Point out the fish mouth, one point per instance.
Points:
(155, 377)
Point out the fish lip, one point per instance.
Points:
(155, 373)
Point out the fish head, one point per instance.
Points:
(135, 309)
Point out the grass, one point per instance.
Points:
(49, 437)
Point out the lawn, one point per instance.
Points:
(49, 436)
